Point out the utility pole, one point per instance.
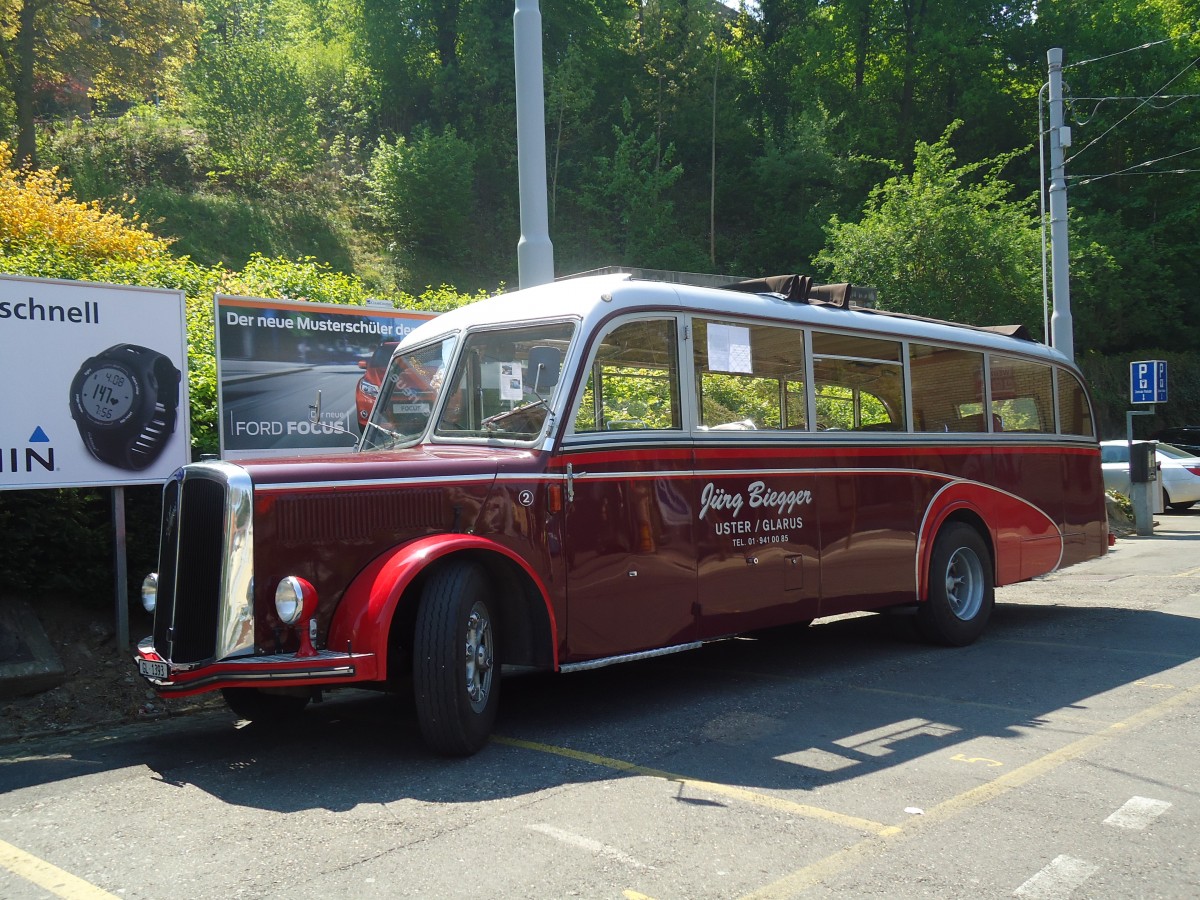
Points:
(535, 253)
(1060, 137)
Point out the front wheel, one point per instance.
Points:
(961, 591)
(456, 662)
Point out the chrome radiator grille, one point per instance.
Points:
(192, 556)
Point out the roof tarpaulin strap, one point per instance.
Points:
(791, 287)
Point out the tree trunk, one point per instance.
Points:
(914, 19)
(861, 46)
(23, 86)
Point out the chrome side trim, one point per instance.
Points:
(628, 657)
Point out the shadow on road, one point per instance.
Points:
(798, 710)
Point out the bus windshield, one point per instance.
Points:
(407, 396)
(504, 382)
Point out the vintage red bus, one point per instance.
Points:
(606, 468)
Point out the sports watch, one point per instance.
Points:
(124, 402)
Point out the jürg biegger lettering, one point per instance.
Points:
(758, 496)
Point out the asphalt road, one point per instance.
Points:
(1054, 758)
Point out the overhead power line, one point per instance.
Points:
(1145, 46)
(1134, 169)
(1136, 109)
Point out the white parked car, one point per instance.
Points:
(1180, 472)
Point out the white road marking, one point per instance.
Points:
(1137, 813)
(1057, 880)
(591, 846)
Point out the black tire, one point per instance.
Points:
(961, 588)
(259, 705)
(457, 694)
(1175, 507)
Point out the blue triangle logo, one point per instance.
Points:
(38, 436)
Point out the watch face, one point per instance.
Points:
(107, 394)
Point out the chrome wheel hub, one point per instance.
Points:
(964, 584)
(479, 656)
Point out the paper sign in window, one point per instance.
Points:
(511, 387)
(729, 349)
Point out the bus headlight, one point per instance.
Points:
(295, 599)
(150, 592)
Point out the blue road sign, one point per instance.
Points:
(1148, 381)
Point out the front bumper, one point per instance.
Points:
(276, 670)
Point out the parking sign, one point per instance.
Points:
(1148, 381)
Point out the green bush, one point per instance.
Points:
(248, 98)
(104, 158)
(422, 193)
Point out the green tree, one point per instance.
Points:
(120, 49)
(422, 192)
(631, 214)
(944, 242)
(247, 95)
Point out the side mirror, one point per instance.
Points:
(545, 365)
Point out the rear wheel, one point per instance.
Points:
(263, 705)
(961, 591)
(1175, 507)
(456, 663)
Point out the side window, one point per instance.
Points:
(633, 380)
(1074, 411)
(947, 389)
(748, 377)
(859, 383)
(1022, 395)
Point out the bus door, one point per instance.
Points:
(628, 528)
(757, 534)
(868, 505)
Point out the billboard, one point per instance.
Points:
(273, 356)
(95, 384)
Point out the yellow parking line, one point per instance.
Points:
(796, 882)
(726, 790)
(48, 877)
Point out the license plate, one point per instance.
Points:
(152, 669)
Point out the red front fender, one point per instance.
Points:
(364, 617)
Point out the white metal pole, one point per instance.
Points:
(535, 253)
(1060, 322)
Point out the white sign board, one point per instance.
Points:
(273, 356)
(95, 384)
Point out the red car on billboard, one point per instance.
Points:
(368, 386)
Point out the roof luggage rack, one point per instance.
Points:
(797, 289)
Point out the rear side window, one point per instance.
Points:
(1074, 411)
(947, 389)
(1022, 395)
(1114, 453)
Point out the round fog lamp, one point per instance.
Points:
(291, 597)
(150, 592)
